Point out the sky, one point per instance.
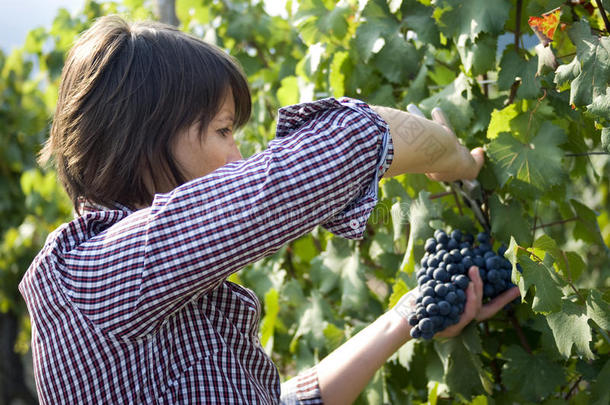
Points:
(18, 17)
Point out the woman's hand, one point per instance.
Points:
(470, 162)
(428, 146)
(475, 310)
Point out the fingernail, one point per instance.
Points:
(413, 109)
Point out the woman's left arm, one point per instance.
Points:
(344, 373)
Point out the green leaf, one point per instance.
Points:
(532, 376)
(311, 323)
(546, 59)
(605, 138)
(510, 68)
(339, 266)
(454, 101)
(421, 212)
(598, 309)
(570, 264)
(600, 394)
(463, 369)
(477, 57)
(473, 17)
(272, 309)
(288, 93)
(336, 77)
(377, 24)
(537, 163)
(587, 228)
(589, 71)
(570, 329)
(601, 105)
(547, 297)
(398, 60)
(501, 121)
(508, 221)
(406, 353)
(419, 19)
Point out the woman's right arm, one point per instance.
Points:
(428, 146)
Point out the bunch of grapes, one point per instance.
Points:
(443, 278)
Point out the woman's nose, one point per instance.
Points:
(234, 155)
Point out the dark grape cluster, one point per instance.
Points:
(443, 278)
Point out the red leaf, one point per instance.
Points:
(545, 26)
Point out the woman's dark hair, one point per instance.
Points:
(126, 91)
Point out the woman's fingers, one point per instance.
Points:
(475, 310)
(492, 307)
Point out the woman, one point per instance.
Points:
(129, 302)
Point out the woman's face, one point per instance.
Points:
(199, 154)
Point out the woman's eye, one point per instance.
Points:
(225, 131)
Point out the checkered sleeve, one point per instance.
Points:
(322, 168)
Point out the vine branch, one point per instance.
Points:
(520, 333)
(600, 7)
(515, 85)
(586, 154)
(571, 391)
(563, 221)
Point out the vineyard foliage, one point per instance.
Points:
(542, 114)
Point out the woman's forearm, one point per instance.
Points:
(344, 373)
(425, 146)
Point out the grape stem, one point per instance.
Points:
(520, 333)
(440, 195)
(515, 85)
(571, 391)
(563, 221)
(494, 363)
(600, 6)
(586, 154)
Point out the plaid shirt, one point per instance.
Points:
(134, 307)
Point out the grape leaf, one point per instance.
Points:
(547, 297)
(311, 323)
(510, 68)
(453, 100)
(398, 60)
(288, 93)
(533, 376)
(589, 71)
(537, 163)
(587, 228)
(421, 212)
(419, 19)
(570, 264)
(601, 105)
(606, 138)
(268, 322)
(339, 266)
(598, 309)
(514, 66)
(507, 221)
(600, 394)
(479, 56)
(463, 369)
(570, 328)
(336, 77)
(377, 23)
(501, 120)
(546, 59)
(472, 17)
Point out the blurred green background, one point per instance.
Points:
(542, 115)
